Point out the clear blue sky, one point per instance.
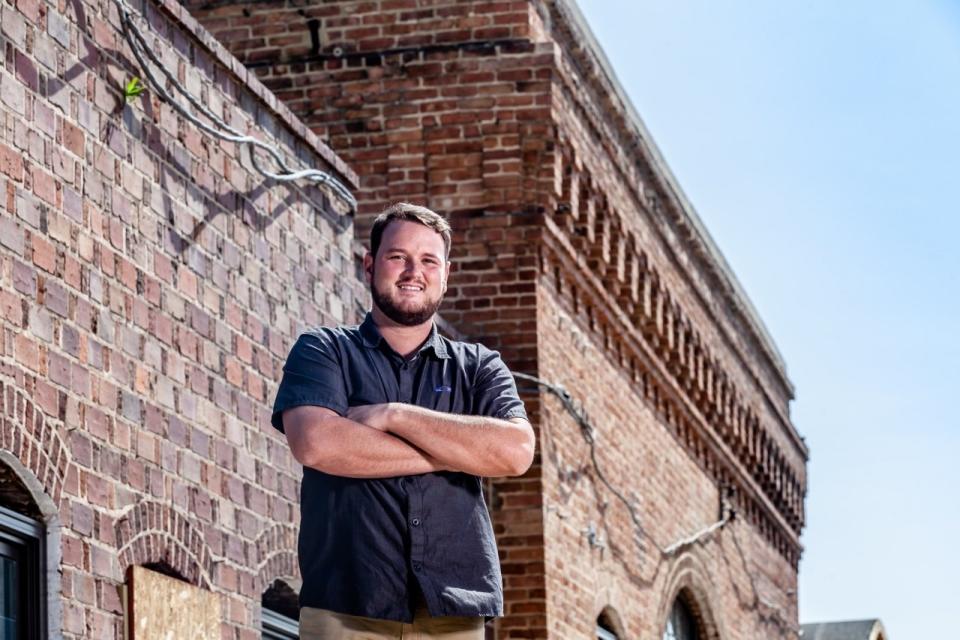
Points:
(820, 144)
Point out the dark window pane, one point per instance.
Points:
(9, 587)
(282, 599)
(681, 625)
(20, 576)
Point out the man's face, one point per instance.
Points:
(408, 276)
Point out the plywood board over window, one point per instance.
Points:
(163, 608)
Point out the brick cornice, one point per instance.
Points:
(606, 253)
(729, 449)
(591, 84)
(610, 253)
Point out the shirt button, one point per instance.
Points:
(417, 566)
(415, 522)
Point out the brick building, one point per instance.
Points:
(152, 283)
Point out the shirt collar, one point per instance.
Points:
(372, 338)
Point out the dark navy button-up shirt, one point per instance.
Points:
(366, 545)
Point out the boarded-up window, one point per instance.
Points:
(161, 607)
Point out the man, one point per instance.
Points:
(394, 425)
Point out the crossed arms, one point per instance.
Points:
(396, 439)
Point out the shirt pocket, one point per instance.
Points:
(445, 396)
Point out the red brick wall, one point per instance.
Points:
(151, 285)
(675, 497)
(445, 100)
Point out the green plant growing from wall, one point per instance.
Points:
(133, 89)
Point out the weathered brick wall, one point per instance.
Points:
(642, 455)
(573, 243)
(443, 101)
(151, 285)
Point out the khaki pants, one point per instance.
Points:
(320, 624)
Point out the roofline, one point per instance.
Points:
(877, 630)
(661, 170)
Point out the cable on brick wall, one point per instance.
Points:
(587, 431)
(767, 611)
(217, 126)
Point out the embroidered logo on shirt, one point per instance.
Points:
(441, 388)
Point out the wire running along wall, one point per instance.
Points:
(215, 125)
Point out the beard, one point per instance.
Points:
(408, 317)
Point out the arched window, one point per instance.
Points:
(681, 625)
(21, 561)
(606, 630)
(280, 612)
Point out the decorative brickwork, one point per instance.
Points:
(640, 322)
(151, 532)
(30, 436)
(690, 580)
(277, 550)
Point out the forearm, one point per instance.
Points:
(341, 447)
(478, 445)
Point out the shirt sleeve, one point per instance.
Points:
(495, 392)
(312, 376)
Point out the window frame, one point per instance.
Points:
(276, 626)
(605, 634)
(28, 537)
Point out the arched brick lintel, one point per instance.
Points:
(153, 532)
(28, 436)
(689, 579)
(277, 550)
